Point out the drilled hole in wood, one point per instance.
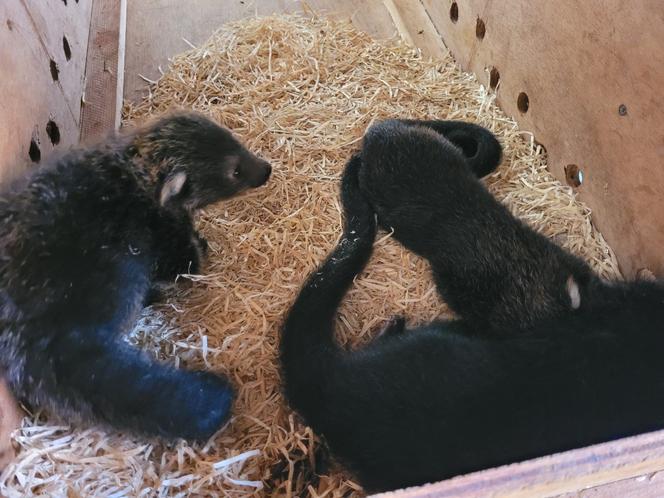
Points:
(573, 175)
(523, 102)
(454, 12)
(494, 78)
(66, 48)
(34, 152)
(55, 72)
(541, 148)
(480, 29)
(53, 132)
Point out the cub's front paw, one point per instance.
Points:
(207, 405)
(201, 245)
(357, 210)
(393, 327)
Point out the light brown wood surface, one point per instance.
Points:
(31, 35)
(104, 70)
(10, 420)
(579, 62)
(415, 27)
(55, 21)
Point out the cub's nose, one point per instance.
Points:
(267, 168)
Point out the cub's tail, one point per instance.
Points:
(307, 345)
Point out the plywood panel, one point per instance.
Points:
(55, 22)
(415, 27)
(31, 96)
(593, 73)
(104, 74)
(10, 420)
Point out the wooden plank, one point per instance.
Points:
(10, 420)
(629, 464)
(56, 22)
(31, 96)
(156, 29)
(370, 16)
(104, 71)
(415, 27)
(645, 486)
(592, 72)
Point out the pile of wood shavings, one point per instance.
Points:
(300, 92)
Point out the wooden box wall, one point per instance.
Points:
(593, 74)
(43, 47)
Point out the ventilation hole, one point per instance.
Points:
(494, 78)
(539, 147)
(34, 152)
(480, 29)
(573, 175)
(55, 72)
(53, 132)
(454, 12)
(522, 102)
(66, 48)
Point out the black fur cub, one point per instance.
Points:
(452, 397)
(83, 241)
(490, 268)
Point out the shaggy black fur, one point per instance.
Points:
(478, 145)
(452, 397)
(489, 267)
(82, 243)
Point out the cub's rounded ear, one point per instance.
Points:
(573, 292)
(172, 186)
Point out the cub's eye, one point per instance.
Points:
(236, 172)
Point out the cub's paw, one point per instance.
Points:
(393, 327)
(357, 210)
(201, 244)
(201, 406)
(154, 295)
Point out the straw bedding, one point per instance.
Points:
(300, 92)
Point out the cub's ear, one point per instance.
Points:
(172, 186)
(573, 292)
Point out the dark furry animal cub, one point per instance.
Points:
(452, 397)
(489, 267)
(83, 241)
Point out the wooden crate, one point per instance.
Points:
(591, 71)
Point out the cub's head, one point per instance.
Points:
(407, 172)
(198, 162)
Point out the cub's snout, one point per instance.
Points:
(261, 171)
